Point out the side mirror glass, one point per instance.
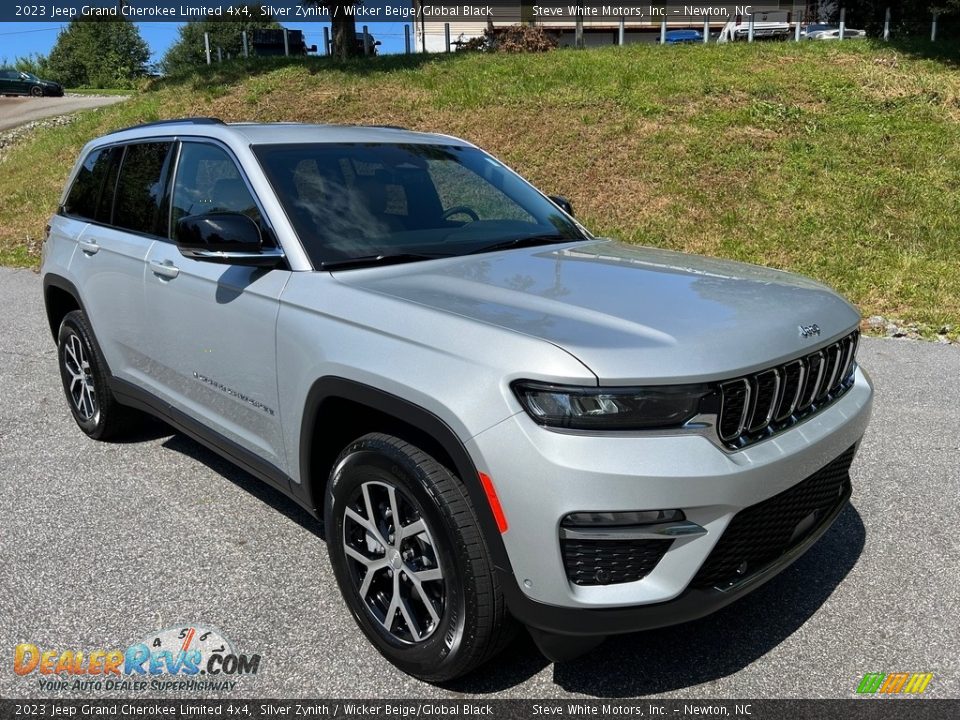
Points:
(564, 204)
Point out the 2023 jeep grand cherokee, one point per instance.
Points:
(501, 418)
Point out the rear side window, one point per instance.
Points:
(91, 196)
(139, 205)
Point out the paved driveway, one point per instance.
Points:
(20, 110)
(103, 543)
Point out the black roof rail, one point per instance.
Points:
(176, 121)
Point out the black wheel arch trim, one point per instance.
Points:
(52, 280)
(423, 420)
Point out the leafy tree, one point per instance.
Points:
(100, 54)
(343, 28)
(190, 51)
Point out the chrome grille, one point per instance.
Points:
(759, 405)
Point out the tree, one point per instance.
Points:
(100, 54)
(189, 50)
(343, 28)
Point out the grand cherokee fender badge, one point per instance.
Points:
(807, 331)
(233, 393)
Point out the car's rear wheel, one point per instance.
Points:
(85, 381)
(410, 560)
(36, 91)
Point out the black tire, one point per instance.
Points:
(471, 623)
(36, 91)
(94, 407)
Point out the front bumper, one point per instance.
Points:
(541, 475)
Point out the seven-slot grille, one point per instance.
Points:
(756, 406)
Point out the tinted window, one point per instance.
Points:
(139, 202)
(208, 181)
(91, 196)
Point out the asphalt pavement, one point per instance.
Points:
(16, 111)
(103, 544)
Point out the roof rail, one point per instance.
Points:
(175, 121)
(388, 127)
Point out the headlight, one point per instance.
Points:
(598, 408)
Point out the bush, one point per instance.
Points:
(512, 39)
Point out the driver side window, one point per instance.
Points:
(209, 181)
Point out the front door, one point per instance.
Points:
(213, 326)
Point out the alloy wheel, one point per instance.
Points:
(393, 561)
(81, 388)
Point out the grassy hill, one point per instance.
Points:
(838, 161)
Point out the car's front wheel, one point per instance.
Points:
(410, 561)
(36, 91)
(85, 381)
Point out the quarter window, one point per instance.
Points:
(91, 197)
(140, 192)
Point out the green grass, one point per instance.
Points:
(838, 161)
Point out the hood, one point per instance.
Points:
(630, 314)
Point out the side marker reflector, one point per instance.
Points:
(494, 502)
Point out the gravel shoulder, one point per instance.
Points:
(104, 543)
(16, 111)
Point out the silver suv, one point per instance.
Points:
(501, 419)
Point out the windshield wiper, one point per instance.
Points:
(525, 241)
(375, 260)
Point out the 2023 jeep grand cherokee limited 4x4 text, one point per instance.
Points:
(502, 419)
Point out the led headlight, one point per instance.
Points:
(598, 408)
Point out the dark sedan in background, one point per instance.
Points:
(17, 82)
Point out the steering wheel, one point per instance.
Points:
(460, 210)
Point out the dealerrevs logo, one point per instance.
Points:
(190, 658)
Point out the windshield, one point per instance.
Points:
(362, 200)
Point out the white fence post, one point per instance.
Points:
(843, 22)
(286, 42)
(406, 39)
(246, 48)
(446, 36)
(886, 26)
(796, 32)
(578, 30)
(219, 54)
(621, 35)
(750, 28)
(206, 45)
(933, 29)
(326, 42)
(366, 40)
(706, 31)
(663, 32)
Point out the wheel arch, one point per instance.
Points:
(60, 296)
(358, 409)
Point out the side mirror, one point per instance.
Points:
(226, 238)
(561, 202)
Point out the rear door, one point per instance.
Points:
(6, 81)
(112, 246)
(212, 326)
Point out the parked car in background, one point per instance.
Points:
(807, 30)
(374, 43)
(677, 37)
(834, 34)
(766, 26)
(18, 82)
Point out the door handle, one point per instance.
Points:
(164, 269)
(90, 247)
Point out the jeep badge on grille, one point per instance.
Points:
(809, 330)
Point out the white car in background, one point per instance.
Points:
(772, 26)
(834, 34)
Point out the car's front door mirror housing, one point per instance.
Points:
(564, 204)
(226, 238)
